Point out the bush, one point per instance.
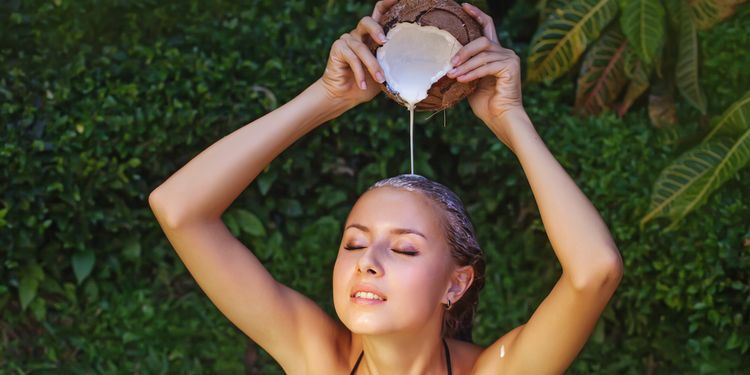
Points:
(101, 102)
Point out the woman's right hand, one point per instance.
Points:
(352, 69)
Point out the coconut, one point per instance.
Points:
(422, 37)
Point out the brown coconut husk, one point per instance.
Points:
(443, 14)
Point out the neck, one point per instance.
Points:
(403, 353)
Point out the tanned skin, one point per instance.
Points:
(294, 329)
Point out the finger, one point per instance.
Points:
(365, 56)
(491, 69)
(488, 25)
(474, 47)
(381, 7)
(482, 71)
(354, 64)
(368, 25)
(474, 62)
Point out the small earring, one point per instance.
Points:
(450, 305)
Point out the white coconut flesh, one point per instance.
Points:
(414, 57)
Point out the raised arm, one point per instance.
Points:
(189, 205)
(591, 263)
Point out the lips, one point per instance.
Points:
(367, 294)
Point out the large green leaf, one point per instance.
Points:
(642, 21)
(734, 121)
(602, 74)
(708, 13)
(638, 74)
(563, 36)
(687, 182)
(547, 7)
(687, 61)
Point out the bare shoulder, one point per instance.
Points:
(495, 357)
(463, 355)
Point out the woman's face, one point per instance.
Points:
(393, 247)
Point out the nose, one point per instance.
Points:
(369, 262)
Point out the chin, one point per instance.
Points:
(364, 322)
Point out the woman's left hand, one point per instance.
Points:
(498, 70)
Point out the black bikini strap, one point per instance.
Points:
(357, 364)
(447, 358)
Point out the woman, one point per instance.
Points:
(408, 253)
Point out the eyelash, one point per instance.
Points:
(408, 253)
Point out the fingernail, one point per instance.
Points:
(452, 72)
(363, 85)
(454, 60)
(381, 36)
(379, 77)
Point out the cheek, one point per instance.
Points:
(422, 283)
(341, 273)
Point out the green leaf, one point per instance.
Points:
(673, 12)
(642, 21)
(734, 121)
(563, 37)
(83, 263)
(687, 61)
(38, 309)
(30, 278)
(708, 13)
(230, 220)
(129, 337)
(27, 291)
(330, 197)
(547, 8)
(598, 336)
(249, 223)
(686, 183)
(733, 342)
(602, 76)
(639, 74)
(264, 182)
(91, 290)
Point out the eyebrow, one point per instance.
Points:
(394, 231)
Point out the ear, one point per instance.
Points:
(460, 281)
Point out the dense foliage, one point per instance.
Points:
(101, 101)
(622, 58)
(627, 43)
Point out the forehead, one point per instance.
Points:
(398, 208)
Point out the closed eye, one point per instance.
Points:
(409, 253)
